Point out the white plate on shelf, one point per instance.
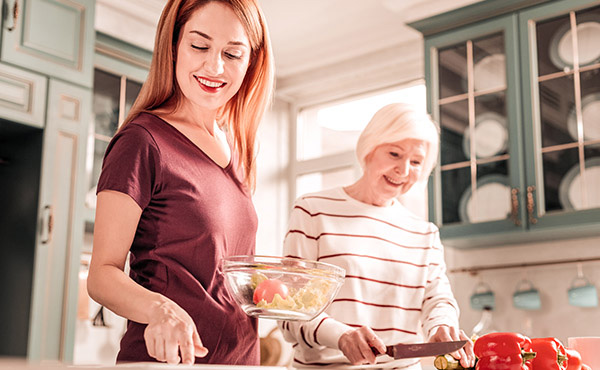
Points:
(561, 44)
(569, 190)
(491, 135)
(490, 72)
(590, 109)
(491, 201)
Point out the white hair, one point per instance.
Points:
(395, 122)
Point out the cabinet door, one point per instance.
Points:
(560, 53)
(55, 37)
(473, 82)
(57, 261)
(22, 96)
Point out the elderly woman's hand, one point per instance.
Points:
(171, 331)
(445, 333)
(356, 345)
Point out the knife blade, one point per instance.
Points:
(413, 350)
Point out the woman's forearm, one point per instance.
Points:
(111, 287)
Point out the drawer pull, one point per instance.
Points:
(531, 204)
(47, 224)
(514, 213)
(15, 16)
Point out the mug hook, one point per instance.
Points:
(580, 270)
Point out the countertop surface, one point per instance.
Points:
(6, 364)
(24, 365)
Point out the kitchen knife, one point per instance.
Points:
(412, 350)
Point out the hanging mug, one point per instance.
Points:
(483, 296)
(526, 296)
(582, 293)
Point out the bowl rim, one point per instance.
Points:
(330, 269)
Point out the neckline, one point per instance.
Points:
(352, 199)
(229, 164)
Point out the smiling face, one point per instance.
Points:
(213, 55)
(392, 169)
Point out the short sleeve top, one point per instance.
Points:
(194, 213)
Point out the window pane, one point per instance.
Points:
(561, 167)
(453, 71)
(557, 103)
(489, 70)
(454, 123)
(107, 88)
(333, 129)
(325, 180)
(554, 46)
(132, 90)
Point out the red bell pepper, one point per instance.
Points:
(585, 367)
(574, 359)
(503, 351)
(551, 354)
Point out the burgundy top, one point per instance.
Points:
(194, 214)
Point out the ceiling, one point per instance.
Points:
(319, 45)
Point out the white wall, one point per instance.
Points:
(556, 317)
(271, 195)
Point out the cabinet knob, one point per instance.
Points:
(531, 204)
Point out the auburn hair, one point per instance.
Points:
(242, 114)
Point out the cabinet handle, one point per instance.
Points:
(530, 204)
(47, 226)
(15, 15)
(514, 214)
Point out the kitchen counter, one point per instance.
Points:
(24, 365)
(8, 364)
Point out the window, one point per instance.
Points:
(326, 137)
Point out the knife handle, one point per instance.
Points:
(447, 362)
(389, 350)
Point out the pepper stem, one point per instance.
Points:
(561, 359)
(528, 356)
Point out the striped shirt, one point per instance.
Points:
(396, 281)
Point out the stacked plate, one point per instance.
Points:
(588, 39)
(570, 191)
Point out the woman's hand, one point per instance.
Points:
(356, 345)
(171, 331)
(446, 333)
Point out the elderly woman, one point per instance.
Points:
(396, 289)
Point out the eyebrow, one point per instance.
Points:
(237, 43)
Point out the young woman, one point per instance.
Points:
(175, 188)
(396, 289)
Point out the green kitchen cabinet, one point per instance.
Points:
(22, 96)
(520, 142)
(61, 227)
(53, 37)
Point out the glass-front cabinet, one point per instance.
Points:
(114, 94)
(517, 99)
(562, 102)
(119, 72)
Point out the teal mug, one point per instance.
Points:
(526, 297)
(483, 296)
(585, 295)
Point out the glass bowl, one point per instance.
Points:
(282, 288)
